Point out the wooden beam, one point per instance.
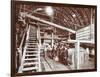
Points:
(81, 41)
(50, 23)
(39, 24)
(39, 47)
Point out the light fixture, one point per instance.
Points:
(49, 10)
(74, 15)
(38, 9)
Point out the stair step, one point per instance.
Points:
(34, 43)
(31, 43)
(28, 49)
(32, 63)
(31, 48)
(31, 59)
(31, 51)
(29, 68)
(32, 39)
(31, 31)
(32, 36)
(31, 55)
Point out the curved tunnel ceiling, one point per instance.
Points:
(71, 17)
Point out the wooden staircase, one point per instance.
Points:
(31, 57)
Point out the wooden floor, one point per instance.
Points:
(88, 65)
(51, 65)
(48, 64)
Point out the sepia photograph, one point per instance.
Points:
(53, 38)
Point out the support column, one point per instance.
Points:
(73, 60)
(39, 47)
(86, 55)
(52, 41)
(69, 34)
(77, 55)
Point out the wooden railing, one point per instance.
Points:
(20, 49)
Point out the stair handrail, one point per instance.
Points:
(21, 44)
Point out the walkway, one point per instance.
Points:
(51, 65)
